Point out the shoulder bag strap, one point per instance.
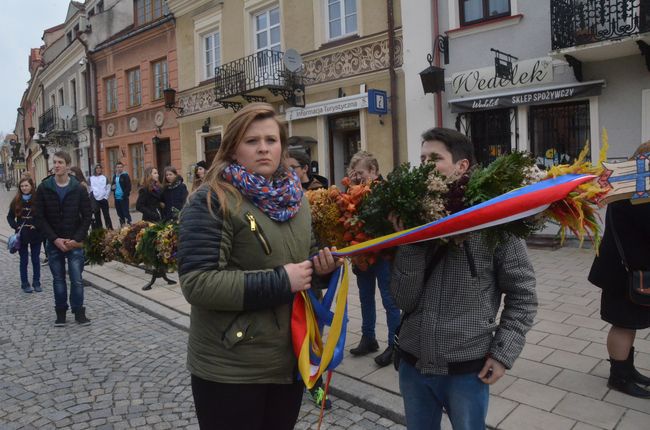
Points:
(617, 240)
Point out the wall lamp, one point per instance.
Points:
(205, 128)
(170, 101)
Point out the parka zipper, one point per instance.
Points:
(257, 231)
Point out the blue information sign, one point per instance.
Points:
(377, 102)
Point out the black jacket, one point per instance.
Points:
(69, 219)
(149, 204)
(174, 196)
(631, 224)
(125, 184)
(29, 233)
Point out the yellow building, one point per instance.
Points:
(236, 51)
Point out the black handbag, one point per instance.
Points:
(638, 281)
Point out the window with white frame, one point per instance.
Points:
(475, 11)
(134, 89)
(341, 18)
(110, 87)
(61, 97)
(160, 78)
(267, 29)
(211, 48)
(73, 94)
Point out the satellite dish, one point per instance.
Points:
(292, 60)
(65, 112)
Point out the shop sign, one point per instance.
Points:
(526, 98)
(535, 71)
(329, 107)
(20, 166)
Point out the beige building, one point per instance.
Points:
(233, 52)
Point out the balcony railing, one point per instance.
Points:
(244, 77)
(51, 121)
(580, 22)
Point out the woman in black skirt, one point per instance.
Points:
(632, 224)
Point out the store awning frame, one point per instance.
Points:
(528, 96)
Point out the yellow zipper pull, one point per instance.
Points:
(251, 221)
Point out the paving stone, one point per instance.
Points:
(534, 371)
(590, 411)
(499, 408)
(586, 322)
(554, 327)
(564, 343)
(581, 383)
(633, 420)
(535, 352)
(569, 360)
(533, 394)
(529, 418)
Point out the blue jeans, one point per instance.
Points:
(366, 283)
(57, 260)
(25, 254)
(122, 208)
(464, 397)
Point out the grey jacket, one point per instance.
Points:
(451, 317)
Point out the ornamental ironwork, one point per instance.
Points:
(580, 22)
(251, 77)
(52, 121)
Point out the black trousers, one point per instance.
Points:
(97, 220)
(246, 406)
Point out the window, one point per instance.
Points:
(91, 13)
(267, 30)
(52, 100)
(137, 162)
(110, 86)
(473, 11)
(211, 54)
(69, 37)
(75, 30)
(160, 79)
(100, 6)
(73, 94)
(84, 81)
(134, 90)
(341, 17)
(148, 10)
(61, 97)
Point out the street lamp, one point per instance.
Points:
(433, 78)
(170, 101)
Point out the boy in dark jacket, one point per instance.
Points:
(452, 345)
(121, 187)
(63, 215)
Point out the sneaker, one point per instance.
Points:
(38, 289)
(80, 317)
(60, 318)
(316, 395)
(27, 289)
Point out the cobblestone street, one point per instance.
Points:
(125, 371)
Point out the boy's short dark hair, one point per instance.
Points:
(119, 163)
(66, 157)
(300, 156)
(456, 143)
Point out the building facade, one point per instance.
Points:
(132, 68)
(577, 68)
(316, 61)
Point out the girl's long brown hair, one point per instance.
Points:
(79, 174)
(233, 135)
(17, 202)
(148, 181)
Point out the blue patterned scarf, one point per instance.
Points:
(278, 198)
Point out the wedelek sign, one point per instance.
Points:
(526, 72)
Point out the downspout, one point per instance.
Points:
(436, 57)
(91, 97)
(393, 82)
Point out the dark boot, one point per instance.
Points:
(638, 377)
(366, 346)
(621, 378)
(385, 358)
(80, 316)
(60, 317)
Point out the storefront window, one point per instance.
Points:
(559, 132)
(212, 144)
(345, 141)
(491, 134)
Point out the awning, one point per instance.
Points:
(527, 97)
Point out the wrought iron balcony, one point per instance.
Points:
(51, 121)
(255, 78)
(582, 22)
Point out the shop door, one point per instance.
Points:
(491, 134)
(211, 145)
(163, 155)
(345, 141)
(558, 132)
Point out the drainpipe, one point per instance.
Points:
(436, 57)
(91, 97)
(393, 82)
